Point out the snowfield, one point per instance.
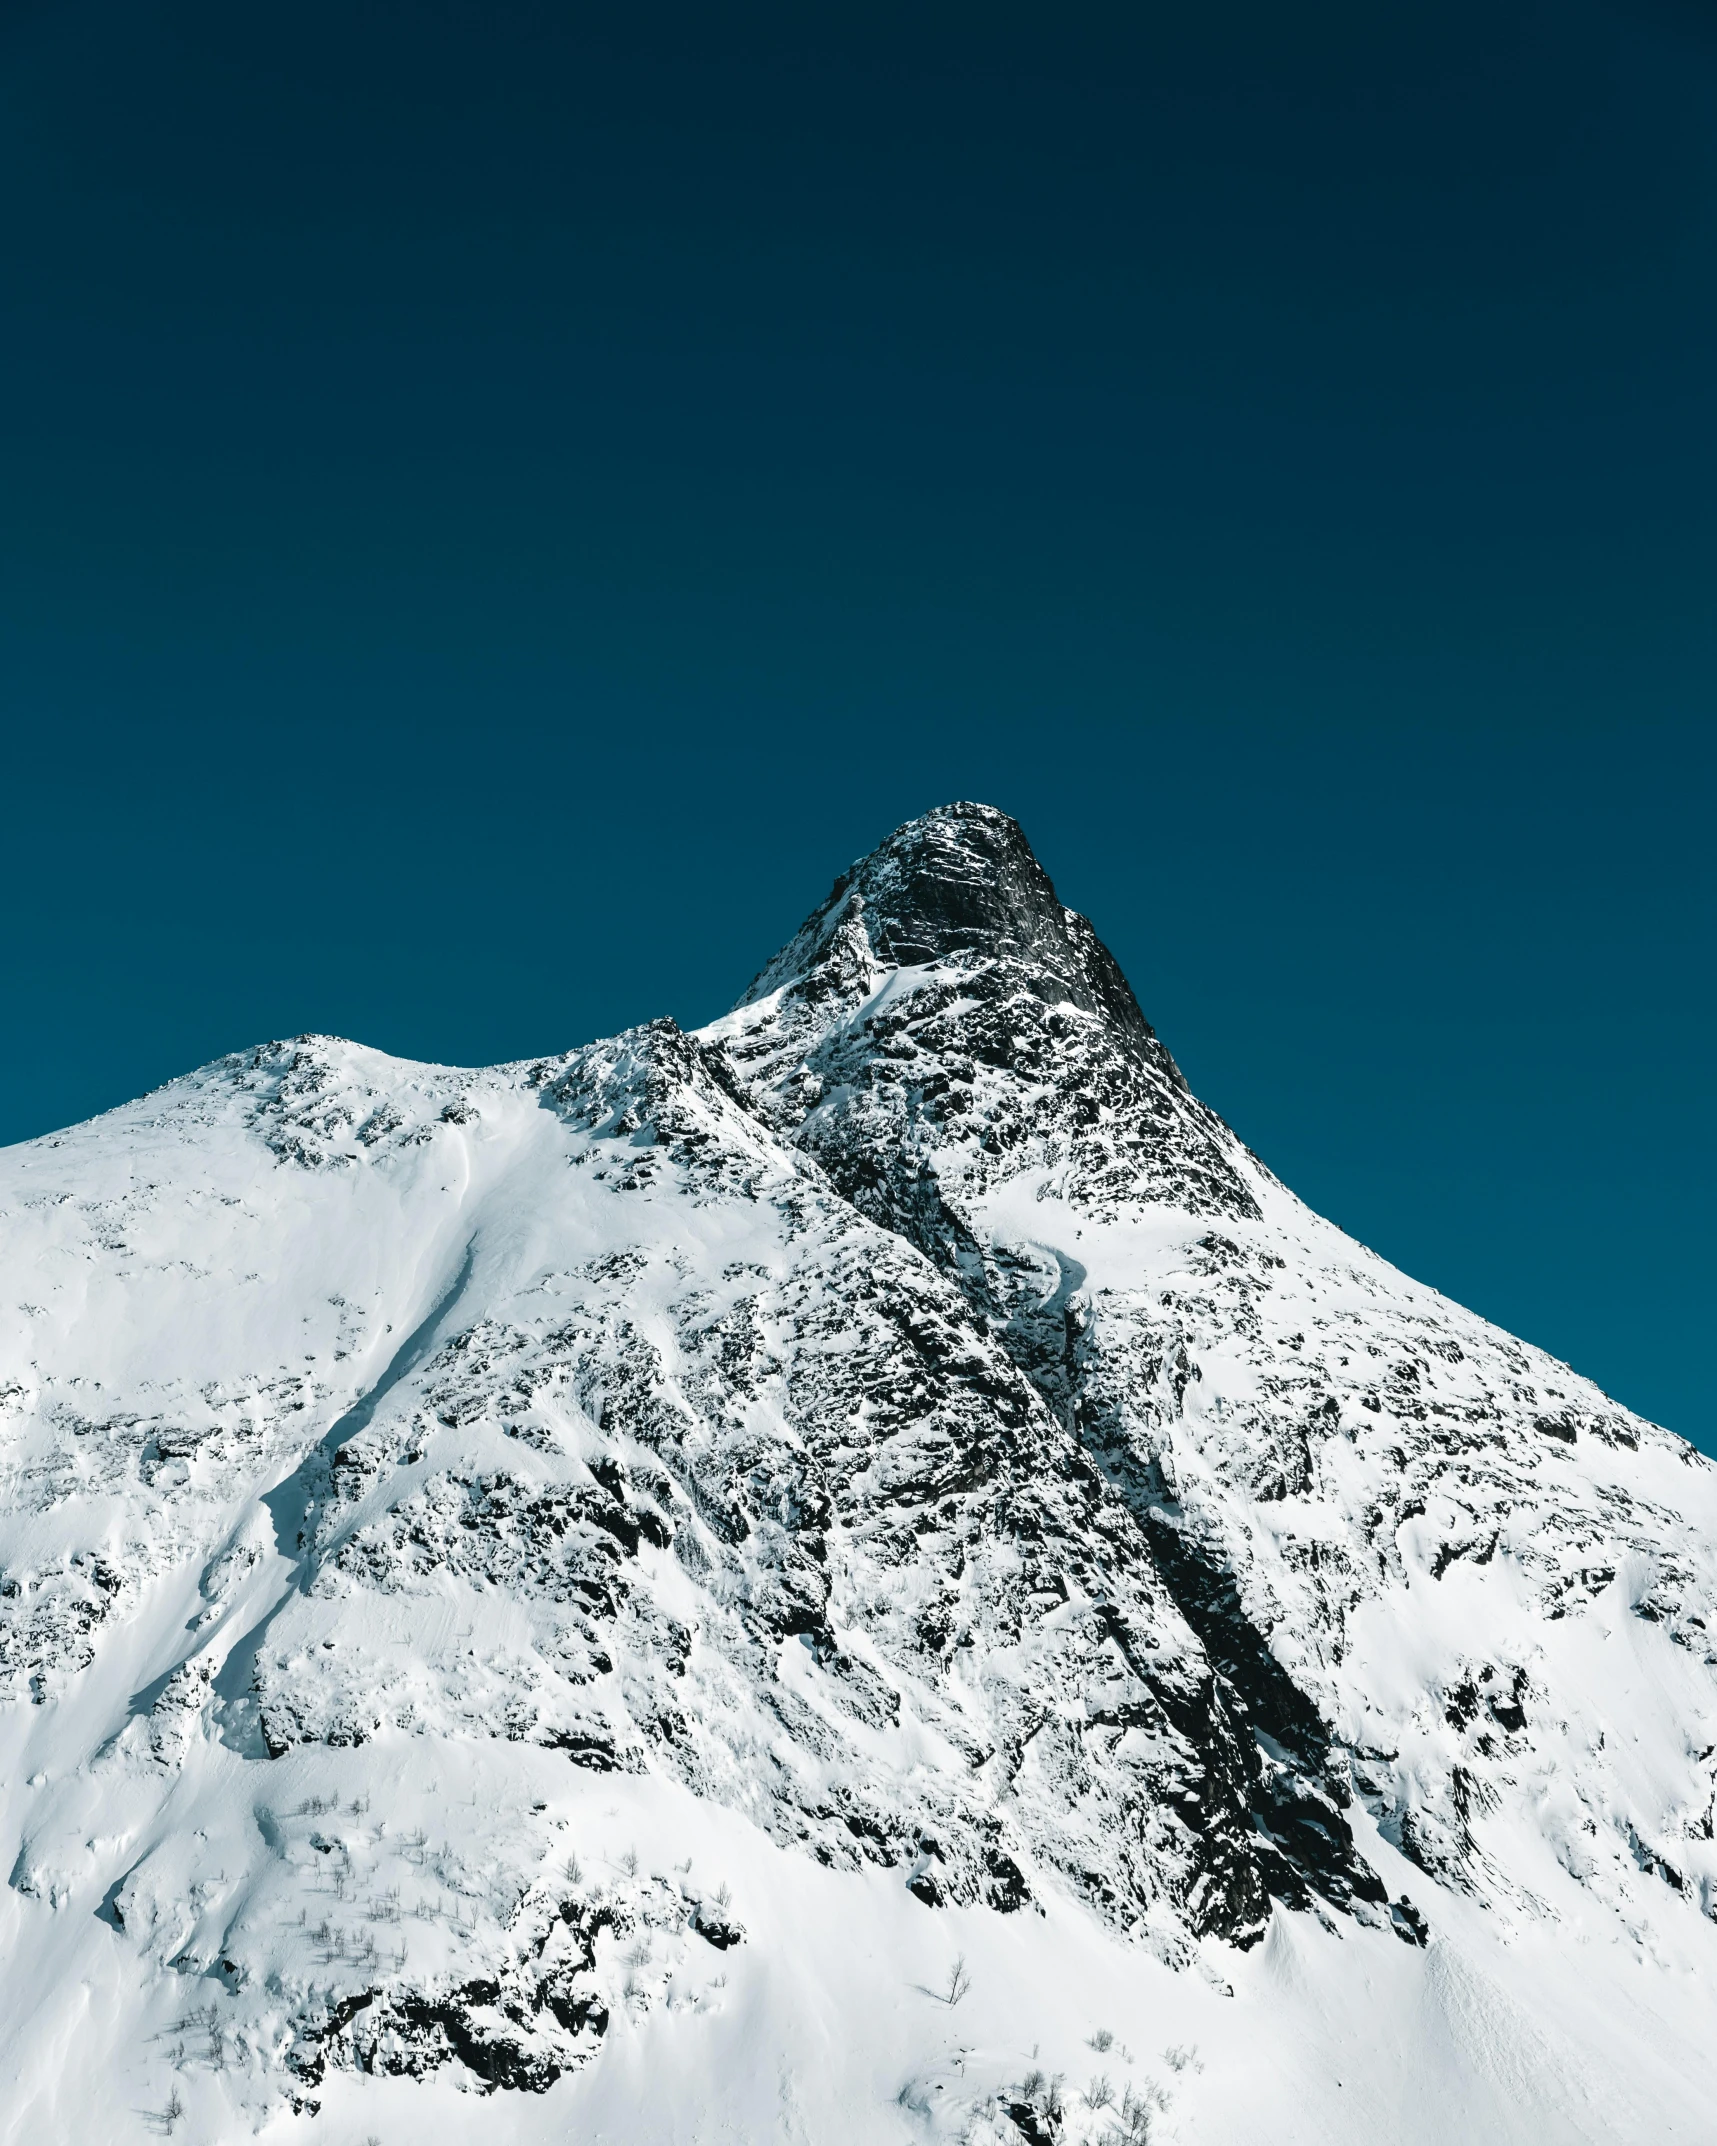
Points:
(867, 1574)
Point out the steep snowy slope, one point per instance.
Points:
(602, 1581)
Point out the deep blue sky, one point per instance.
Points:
(499, 503)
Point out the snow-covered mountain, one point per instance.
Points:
(866, 1574)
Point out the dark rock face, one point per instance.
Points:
(518, 2030)
(962, 883)
(1286, 1776)
(942, 1024)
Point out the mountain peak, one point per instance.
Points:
(961, 878)
(941, 1025)
(960, 883)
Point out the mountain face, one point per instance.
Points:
(865, 1573)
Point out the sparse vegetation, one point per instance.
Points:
(1102, 2041)
(1134, 2123)
(1043, 2093)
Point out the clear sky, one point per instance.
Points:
(499, 503)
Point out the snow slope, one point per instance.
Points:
(606, 1583)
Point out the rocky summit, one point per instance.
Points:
(865, 1573)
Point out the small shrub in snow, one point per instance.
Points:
(1134, 2124)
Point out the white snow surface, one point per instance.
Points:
(566, 1602)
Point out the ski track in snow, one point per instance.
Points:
(571, 1596)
